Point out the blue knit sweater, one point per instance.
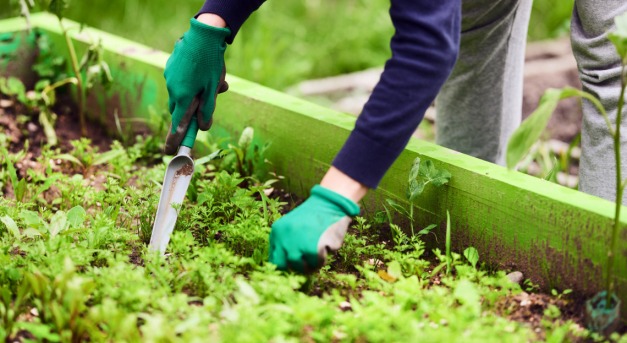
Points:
(424, 49)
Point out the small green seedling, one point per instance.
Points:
(246, 157)
(19, 186)
(560, 295)
(41, 100)
(422, 173)
(472, 255)
(86, 156)
(60, 224)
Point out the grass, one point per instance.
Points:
(280, 45)
(284, 42)
(550, 19)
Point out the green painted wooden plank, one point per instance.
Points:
(12, 24)
(557, 236)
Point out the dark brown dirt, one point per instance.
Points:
(552, 65)
(282, 195)
(67, 127)
(530, 308)
(21, 126)
(17, 251)
(186, 170)
(136, 256)
(533, 309)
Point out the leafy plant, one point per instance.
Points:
(247, 157)
(19, 187)
(59, 223)
(11, 307)
(560, 295)
(61, 301)
(422, 173)
(531, 129)
(39, 101)
(87, 72)
(472, 255)
(550, 164)
(86, 156)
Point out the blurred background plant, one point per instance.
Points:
(285, 42)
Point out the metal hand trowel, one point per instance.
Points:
(177, 178)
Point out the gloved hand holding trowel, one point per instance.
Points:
(302, 239)
(194, 76)
(195, 70)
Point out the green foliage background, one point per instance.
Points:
(285, 41)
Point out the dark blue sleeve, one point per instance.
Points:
(424, 49)
(234, 12)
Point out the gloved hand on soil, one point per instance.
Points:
(301, 239)
(195, 69)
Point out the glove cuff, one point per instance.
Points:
(349, 207)
(203, 33)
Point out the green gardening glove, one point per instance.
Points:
(195, 69)
(301, 239)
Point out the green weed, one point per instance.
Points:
(422, 173)
(86, 72)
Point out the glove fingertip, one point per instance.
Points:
(224, 86)
(296, 262)
(278, 258)
(313, 262)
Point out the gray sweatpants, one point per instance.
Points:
(599, 71)
(480, 105)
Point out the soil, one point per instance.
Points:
(22, 128)
(67, 128)
(530, 308)
(135, 256)
(552, 65)
(185, 170)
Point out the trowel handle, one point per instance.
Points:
(192, 131)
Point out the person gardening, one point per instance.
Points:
(478, 102)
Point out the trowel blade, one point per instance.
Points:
(177, 178)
